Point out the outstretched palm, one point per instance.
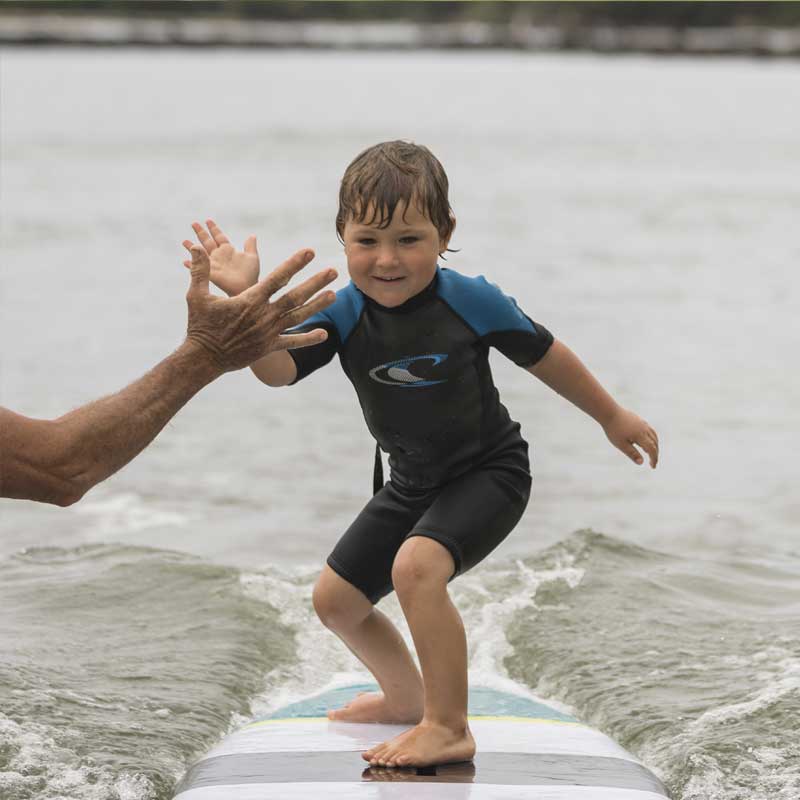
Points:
(232, 270)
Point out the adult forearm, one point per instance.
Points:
(566, 374)
(102, 437)
(58, 461)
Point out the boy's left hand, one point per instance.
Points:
(232, 270)
(626, 429)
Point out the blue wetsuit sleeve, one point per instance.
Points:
(339, 320)
(496, 318)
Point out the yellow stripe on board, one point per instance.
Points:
(287, 719)
(528, 719)
(539, 720)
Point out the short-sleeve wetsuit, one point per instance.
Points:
(459, 466)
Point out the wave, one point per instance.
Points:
(128, 662)
(125, 664)
(678, 659)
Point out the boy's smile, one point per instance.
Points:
(392, 264)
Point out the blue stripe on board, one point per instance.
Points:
(482, 702)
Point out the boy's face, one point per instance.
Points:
(392, 264)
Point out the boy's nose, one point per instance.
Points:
(386, 257)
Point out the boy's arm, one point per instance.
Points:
(275, 369)
(564, 372)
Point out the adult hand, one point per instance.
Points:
(239, 330)
(58, 461)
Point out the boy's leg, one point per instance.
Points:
(420, 575)
(358, 575)
(374, 640)
(468, 519)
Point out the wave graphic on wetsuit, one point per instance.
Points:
(397, 373)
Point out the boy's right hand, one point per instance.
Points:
(235, 332)
(232, 270)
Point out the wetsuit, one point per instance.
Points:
(459, 466)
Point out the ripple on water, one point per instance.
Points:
(699, 679)
(126, 664)
(129, 662)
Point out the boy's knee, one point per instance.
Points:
(421, 564)
(335, 611)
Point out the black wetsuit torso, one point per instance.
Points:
(421, 372)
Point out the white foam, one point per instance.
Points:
(488, 598)
(754, 773)
(785, 682)
(323, 661)
(127, 512)
(753, 778)
(39, 764)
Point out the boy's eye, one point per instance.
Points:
(409, 239)
(366, 240)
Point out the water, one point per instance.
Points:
(644, 210)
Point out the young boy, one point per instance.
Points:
(414, 340)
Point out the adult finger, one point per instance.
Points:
(299, 294)
(293, 341)
(205, 239)
(250, 246)
(281, 275)
(187, 243)
(219, 237)
(299, 315)
(200, 267)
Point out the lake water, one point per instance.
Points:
(645, 210)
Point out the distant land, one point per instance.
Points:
(700, 28)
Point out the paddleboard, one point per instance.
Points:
(526, 750)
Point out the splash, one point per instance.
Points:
(488, 598)
(35, 765)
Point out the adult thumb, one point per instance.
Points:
(201, 268)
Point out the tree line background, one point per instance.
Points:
(562, 14)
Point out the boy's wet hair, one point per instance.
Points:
(387, 173)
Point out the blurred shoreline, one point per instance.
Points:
(44, 29)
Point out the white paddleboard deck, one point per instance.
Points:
(526, 750)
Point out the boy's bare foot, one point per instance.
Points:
(372, 707)
(423, 746)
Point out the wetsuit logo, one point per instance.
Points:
(398, 373)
